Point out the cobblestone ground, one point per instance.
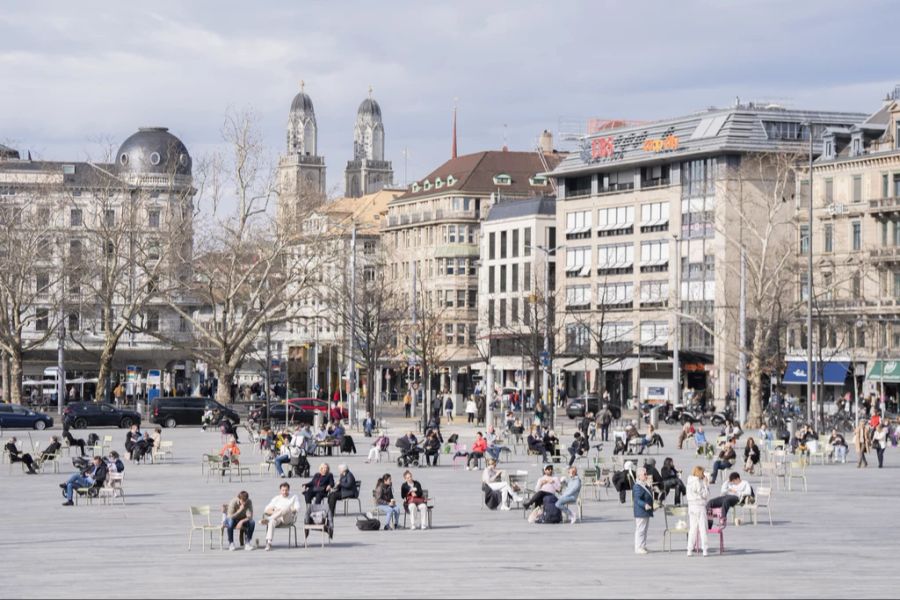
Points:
(836, 540)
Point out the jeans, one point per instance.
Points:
(719, 465)
(840, 453)
(390, 513)
(77, 481)
(725, 502)
(673, 483)
(604, 433)
(280, 460)
(249, 526)
(367, 429)
(880, 453)
(572, 456)
(563, 500)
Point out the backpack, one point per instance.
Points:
(93, 439)
(492, 498)
(551, 513)
(366, 524)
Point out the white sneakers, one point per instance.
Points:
(268, 546)
(505, 507)
(424, 527)
(248, 547)
(641, 551)
(231, 547)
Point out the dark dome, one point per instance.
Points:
(302, 103)
(154, 150)
(369, 107)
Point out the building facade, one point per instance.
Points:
(368, 171)
(301, 171)
(856, 258)
(647, 215)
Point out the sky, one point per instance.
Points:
(75, 77)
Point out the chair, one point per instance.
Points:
(214, 464)
(347, 501)
(763, 499)
(823, 450)
(797, 471)
(718, 526)
(323, 527)
(106, 445)
(113, 488)
(202, 521)
(589, 480)
(52, 459)
(518, 482)
(429, 504)
(165, 451)
(291, 527)
(675, 513)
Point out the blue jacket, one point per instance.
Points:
(642, 497)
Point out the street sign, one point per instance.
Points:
(545, 358)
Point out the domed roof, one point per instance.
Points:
(369, 107)
(302, 103)
(154, 150)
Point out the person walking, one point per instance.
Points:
(604, 419)
(697, 495)
(879, 443)
(642, 497)
(448, 407)
(407, 404)
(863, 443)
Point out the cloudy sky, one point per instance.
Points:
(75, 73)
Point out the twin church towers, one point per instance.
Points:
(302, 170)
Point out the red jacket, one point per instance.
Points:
(479, 445)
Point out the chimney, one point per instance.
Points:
(547, 142)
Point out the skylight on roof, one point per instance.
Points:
(709, 127)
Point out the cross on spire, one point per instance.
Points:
(302, 85)
(370, 91)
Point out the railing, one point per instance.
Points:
(653, 183)
(617, 187)
(886, 254)
(885, 204)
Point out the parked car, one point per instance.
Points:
(274, 413)
(575, 408)
(312, 404)
(171, 411)
(79, 415)
(14, 415)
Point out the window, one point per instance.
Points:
(804, 286)
(654, 254)
(460, 334)
(75, 217)
(502, 312)
(42, 283)
(502, 179)
(617, 331)
(698, 178)
(514, 310)
(613, 294)
(615, 257)
(109, 248)
(615, 221)
(857, 188)
(827, 286)
(515, 243)
(829, 191)
(654, 216)
(515, 278)
(526, 251)
(804, 239)
(861, 336)
(526, 278)
(369, 247)
(654, 292)
(654, 333)
(578, 338)
(152, 320)
(502, 244)
(856, 235)
(492, 238)
(897, 185)
(578, 296)
(41, 319)
(829, 237)
(491, 314)
(73, 322)
(578, 261)
(855, 286)
(491, 280)
(448, 333)
(153, 219)
(461, 299)
(473, 298)
(109, 217)
(369, 274)
(619, 180)
(578, 224)
(578, 186)
(502, 278)
(473, 336)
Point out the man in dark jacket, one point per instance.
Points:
(346, 487)
(321, 483)
(15, 456)
(643, 510)
(93, 476)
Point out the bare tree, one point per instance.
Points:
(425, 338)
(247, 271)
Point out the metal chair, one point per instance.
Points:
(202, 521)
(675, 513)
(347, 501)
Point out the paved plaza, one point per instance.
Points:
(836, 540)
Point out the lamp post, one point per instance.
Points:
(809, 283)
(547, 315)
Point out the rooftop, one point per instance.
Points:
(513, 209)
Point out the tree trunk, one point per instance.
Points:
(370, 388)
(4, 376)
(103, 375)
(225, 374)
(15, 377)
(754, 376)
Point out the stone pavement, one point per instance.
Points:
(836, 540)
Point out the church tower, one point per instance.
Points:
(301, 171)
(368, 172)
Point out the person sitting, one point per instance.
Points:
(239, 515)
(72, 441)
(93, 476)
(414, 499)
(687, 432)
(384, 502)
(342, 440)
(208, 419)
(734, 492)
(732, 430)
(228, 428)
(548, 484)
(368, 425)
(495, 448)
(551, 443)
(653, 438)
(409, 448)
(281, 510)
(671, 481)
(345, 488)
(136, 444)
(16, 456)
(751, 455)
(726, 459)
(579, 447)
(319, 486)
(51, 450)
(497, 480)
(381, 444)
(286, 452)
(570, 493)
(230, 453)
(654, 478)
(765, 434)
(623, 480)
(114, 464)
(432, 447)
(633, 439)
(536, 445)
(838, 445)
(476, 453)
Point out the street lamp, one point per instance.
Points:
(546, 374)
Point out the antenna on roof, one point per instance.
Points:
(505, 138)
(453, 145)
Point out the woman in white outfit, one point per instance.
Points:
(497, 480)
(697, 495)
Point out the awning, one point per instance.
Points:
(835, 372)
(885, 370)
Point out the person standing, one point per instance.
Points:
(643, 510)
(697, 495)
(471, 410)
(448, 407)
(239, 515)
(879, 442)
(863, 443)
(407, 404)
(604, 419)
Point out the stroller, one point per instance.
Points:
(409, 454)
(299, 463)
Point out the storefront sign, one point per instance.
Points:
(670, 142)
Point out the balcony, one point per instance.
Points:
(885, 207)
(884, 255)
(655, 183)
(617, 188)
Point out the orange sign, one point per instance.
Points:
(670, 142)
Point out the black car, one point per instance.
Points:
(15, 415)
(274, 413)
(79, 415)
(575, 408)
(171, 411)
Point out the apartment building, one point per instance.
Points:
(645, 213)
(856, 261)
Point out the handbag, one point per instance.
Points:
(415, 499)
